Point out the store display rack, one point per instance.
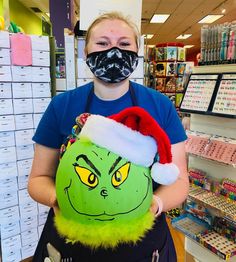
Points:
(210, 93)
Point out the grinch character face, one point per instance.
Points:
(95, 185)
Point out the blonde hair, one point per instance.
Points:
(113, 16)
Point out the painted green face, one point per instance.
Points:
(95, 185)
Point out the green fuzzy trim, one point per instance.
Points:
(107, 235)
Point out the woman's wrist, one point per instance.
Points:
(159, 204)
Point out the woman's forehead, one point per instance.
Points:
(115, 25)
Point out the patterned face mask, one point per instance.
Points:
(112, 65)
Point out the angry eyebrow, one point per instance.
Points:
(85, 158)
(115, 164)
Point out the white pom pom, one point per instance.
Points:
(164, 174)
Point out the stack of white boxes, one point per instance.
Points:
(84, 75)
(24, 95)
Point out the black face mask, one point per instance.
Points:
(113, 65)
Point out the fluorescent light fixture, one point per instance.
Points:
(151, 46)
(48, 14)
(149, 36)
(185, 36)
(210, 19)
(159, 18)
(188, 46)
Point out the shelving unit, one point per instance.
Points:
(219, 125)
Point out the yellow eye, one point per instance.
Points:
(86, 176)
(120, 175)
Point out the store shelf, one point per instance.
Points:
(221, 205)
(211, 160)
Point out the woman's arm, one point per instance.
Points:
(41, 184)
(174, 194)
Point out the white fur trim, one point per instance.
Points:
(164, 174)
(120, 139)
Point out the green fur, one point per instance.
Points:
(108, 235)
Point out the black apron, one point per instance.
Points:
(123, 253)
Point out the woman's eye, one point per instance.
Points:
(124, 44)
(102, 43)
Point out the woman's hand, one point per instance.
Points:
(154, 206)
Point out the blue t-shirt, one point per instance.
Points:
(56, 125)
(59, 118)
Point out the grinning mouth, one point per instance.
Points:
(105, 216)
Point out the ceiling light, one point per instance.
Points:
(151, 46)
(210, 19)
(48, 14)
(223, 10)
(188, 46)
(148, 36)
(159, 18)
(185, 36)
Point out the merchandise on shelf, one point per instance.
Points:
(218, 44)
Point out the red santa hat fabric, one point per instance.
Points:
(134, 135)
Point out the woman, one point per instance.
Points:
(110, 35)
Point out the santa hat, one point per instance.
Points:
(136, 136)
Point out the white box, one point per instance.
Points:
(10, 244)
(137, 80)
(5, 73)
(7, 139)
(40, 58)
(21, 73)
(7, 123)
(29, 236)
(7, 154)
(36, 119)
(10, 229)
(24, 196)
(4, 39)
(5, 90)
(28, 209)
(139, 71)
(43, 208)
(83, 69)
(40, 42)
(24, 137)
(40, 74)
(21, 90)
(24, 152)
(8, 199)
(10, 214)
(8, 170)
(23, 182)
(40, 104)
(40, 229)
(24, 167)
(28, 250)
(28, 223)
(8, 184)
(41, 90)
(6, 107)
(5, 56)
(83, 81)
(42, 218)
(60, 84)
(23, 106)
(141, 46)
(24, 121)
(12, 255)
(70, 62)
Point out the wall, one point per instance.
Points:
(23, 17)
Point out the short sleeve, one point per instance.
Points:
(47, 132)
(173, 126)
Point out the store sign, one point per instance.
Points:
(132, 8)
